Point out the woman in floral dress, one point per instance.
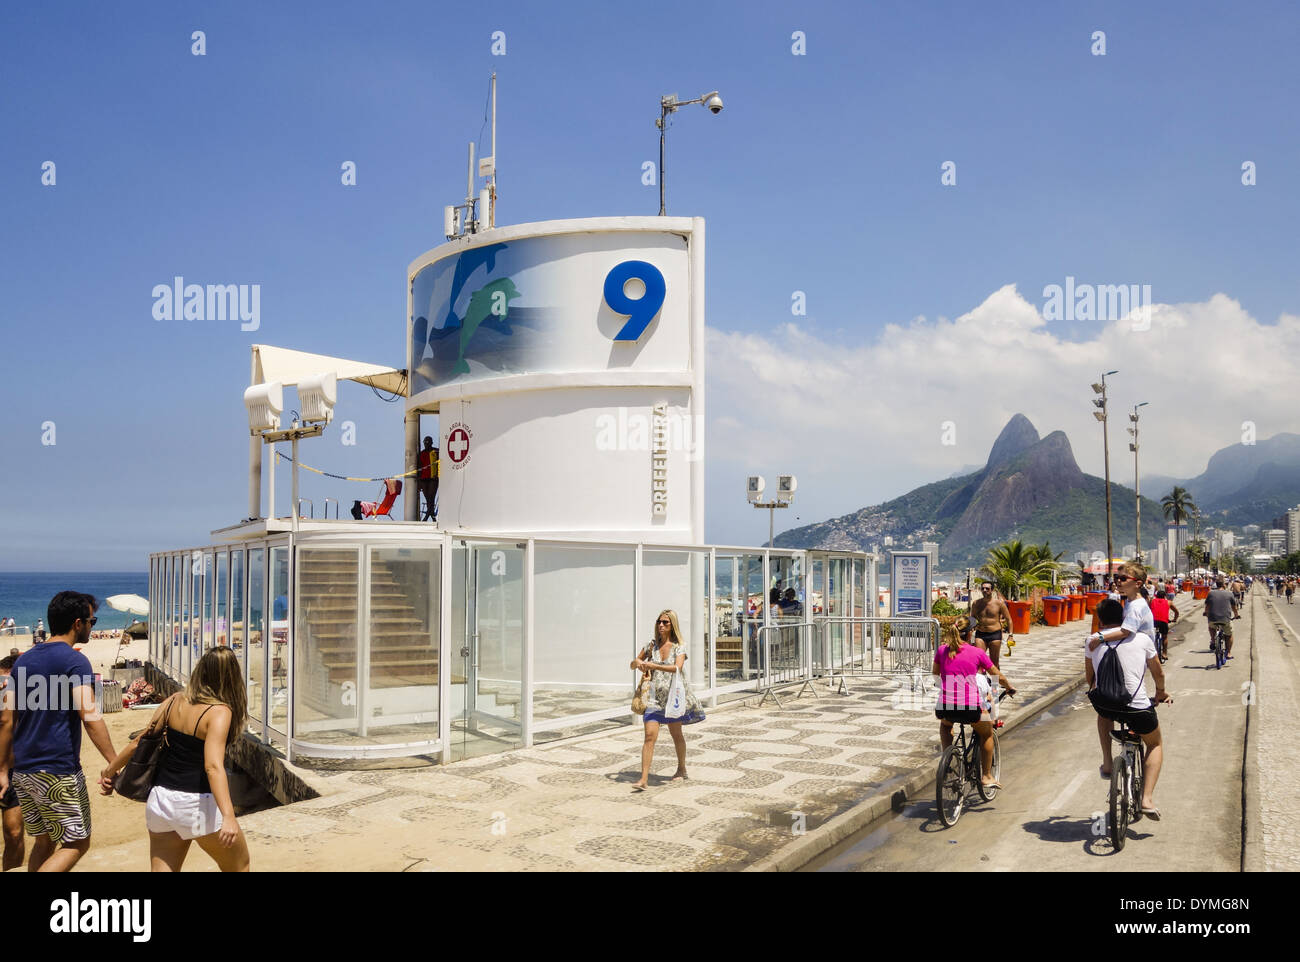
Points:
(662, 660)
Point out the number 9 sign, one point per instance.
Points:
(639, 311)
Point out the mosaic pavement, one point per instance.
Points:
(758, 777)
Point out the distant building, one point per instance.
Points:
(1176, 541)
(932, 549)
(1129, 551)
(1260, 561)
(1228, 540)
(1274, 541)
(1293, 530)
(1250, 533)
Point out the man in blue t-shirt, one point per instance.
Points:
(50, 698)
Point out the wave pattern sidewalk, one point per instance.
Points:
(570, 807)
(1279, 703)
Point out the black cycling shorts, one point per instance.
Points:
(1162, 627)
(1141, 720)
(966, 716)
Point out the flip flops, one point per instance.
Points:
(1151, 813)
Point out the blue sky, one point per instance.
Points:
(822, 175)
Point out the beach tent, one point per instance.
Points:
(1098, 567)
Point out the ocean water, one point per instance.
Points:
(24, 597)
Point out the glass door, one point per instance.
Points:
(487, 648)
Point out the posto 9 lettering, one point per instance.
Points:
(639, 311)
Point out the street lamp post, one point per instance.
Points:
(786, 485)
(1137, 483)
(667, 105)
(1100, 415)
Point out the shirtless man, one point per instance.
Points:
(988, 613)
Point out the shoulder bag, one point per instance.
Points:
(136, 779)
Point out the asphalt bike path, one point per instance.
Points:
(1051, 814)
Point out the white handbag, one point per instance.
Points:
(676, 705)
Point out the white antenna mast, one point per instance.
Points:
(485, 204)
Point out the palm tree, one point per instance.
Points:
(1178, 504)
(1015, 567)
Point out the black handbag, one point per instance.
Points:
(136, 779)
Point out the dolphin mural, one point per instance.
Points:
(498, 293)
(466, 264)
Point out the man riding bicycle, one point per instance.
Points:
(1136, 656)
(1161, 609)
(1220, 609)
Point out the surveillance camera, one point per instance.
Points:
(714, 103)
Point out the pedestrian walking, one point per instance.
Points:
(190, 799)
(663, 660)
(44, 734)
(11, 814)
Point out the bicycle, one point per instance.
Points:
(1219, 647)
(1126, 776)
(960, 770)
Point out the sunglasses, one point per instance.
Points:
(1119, 578)
(90, 621)
(663, 622)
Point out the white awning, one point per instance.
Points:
(289, 367)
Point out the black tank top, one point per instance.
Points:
(181, 766)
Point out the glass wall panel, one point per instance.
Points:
(487, 626)
(153, 595)
(674, 580)
(256, 637)
(177, 576)
(584, 631)
(219, 602)
(208, 584)
(237, 608)
(278, 576)
(739, 597)
(401, 700)
(325, 635)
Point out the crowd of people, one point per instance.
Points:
(43, 789)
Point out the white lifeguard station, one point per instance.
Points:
(564, 361)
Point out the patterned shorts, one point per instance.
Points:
(54, 805)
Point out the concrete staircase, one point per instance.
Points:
(402, 649)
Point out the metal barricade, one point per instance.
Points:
(785, 658)
(863, 647)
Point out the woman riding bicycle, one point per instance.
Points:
(957, 664)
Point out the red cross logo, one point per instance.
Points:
(458, 445)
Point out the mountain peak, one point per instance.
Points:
(1018, 436)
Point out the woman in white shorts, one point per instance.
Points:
(190, 799)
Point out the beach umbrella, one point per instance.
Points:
(133, 604)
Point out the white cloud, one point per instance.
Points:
(862, 423)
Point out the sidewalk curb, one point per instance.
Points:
(1252, 850)
(799, 853)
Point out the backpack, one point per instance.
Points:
(1110, 679)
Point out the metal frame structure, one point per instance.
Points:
(250, 589)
